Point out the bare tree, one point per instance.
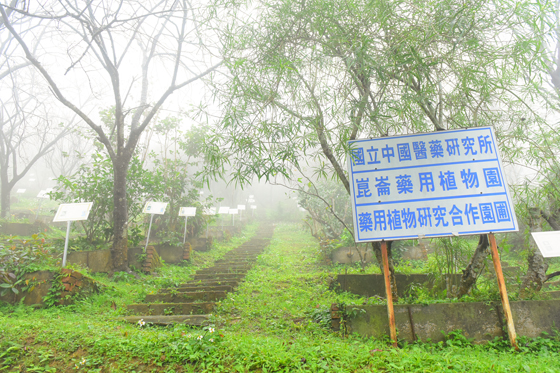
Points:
(139, 50)
(27, 132)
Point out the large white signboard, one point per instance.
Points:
(73, 211)
(435, 184)
(155, 208)
(223, 210)
(548, 243)
(241, 207)
(233, 211)
(187, 211)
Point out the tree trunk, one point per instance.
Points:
(119, 251)
(536, 271)
(5, 189)
(377, 250)
(475, 266)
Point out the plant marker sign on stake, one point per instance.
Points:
(209, 212)
(221, 211)
(43, 194)
(548, 243)
(19, 191)
(153, 208)
(70, 212)
(233, 212)
(438, 184)
(240, 208)
(186, 212)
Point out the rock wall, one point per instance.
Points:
(480, 321)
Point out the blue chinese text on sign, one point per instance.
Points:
(434, 185)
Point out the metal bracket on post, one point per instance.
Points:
(149, 229)
(503, 292)
(390, 310)
(66, 244)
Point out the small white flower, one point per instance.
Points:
(211, 339)
(199, 337)
(141, 322)
(83, 362)
(211, 330)
(189, 336)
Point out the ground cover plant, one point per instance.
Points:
(277, 320)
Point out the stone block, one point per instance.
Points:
(374, 284)
(347, 255)
(99, 261)
(477, 320)
(135, 255)
(170, 254)
(78, 258)
(22, 229)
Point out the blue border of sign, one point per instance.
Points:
(352, 172)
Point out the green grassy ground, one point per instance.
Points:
(275, 322)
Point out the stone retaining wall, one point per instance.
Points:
(374, 284)
(480, 321)
(22, 229)
(347, 255)
(100, 260)
(73, 283)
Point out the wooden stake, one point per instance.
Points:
(503, 292)
(390, 311)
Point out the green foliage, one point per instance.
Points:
(18, 257)
(93, 182)
(328, 208)
(276, 321)
(167, 182)
(55, 291)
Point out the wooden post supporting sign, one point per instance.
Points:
(390, 310)
(503, 292)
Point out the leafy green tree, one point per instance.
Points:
(307, 76)
(532, 143)
(94, 182)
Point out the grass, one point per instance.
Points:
(274, 322)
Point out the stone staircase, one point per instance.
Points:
(192, 302)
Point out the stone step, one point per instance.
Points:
(151, 309)
(199, 288)
(222, 270)
(241, 255)
(179, 297)
(195, 320)
(551, 284)
(207, 282)
(219, 276)
(237, 259)
(507, 271)
(226, 266)
(553, 294)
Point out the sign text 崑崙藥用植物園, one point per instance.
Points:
(433, 184)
